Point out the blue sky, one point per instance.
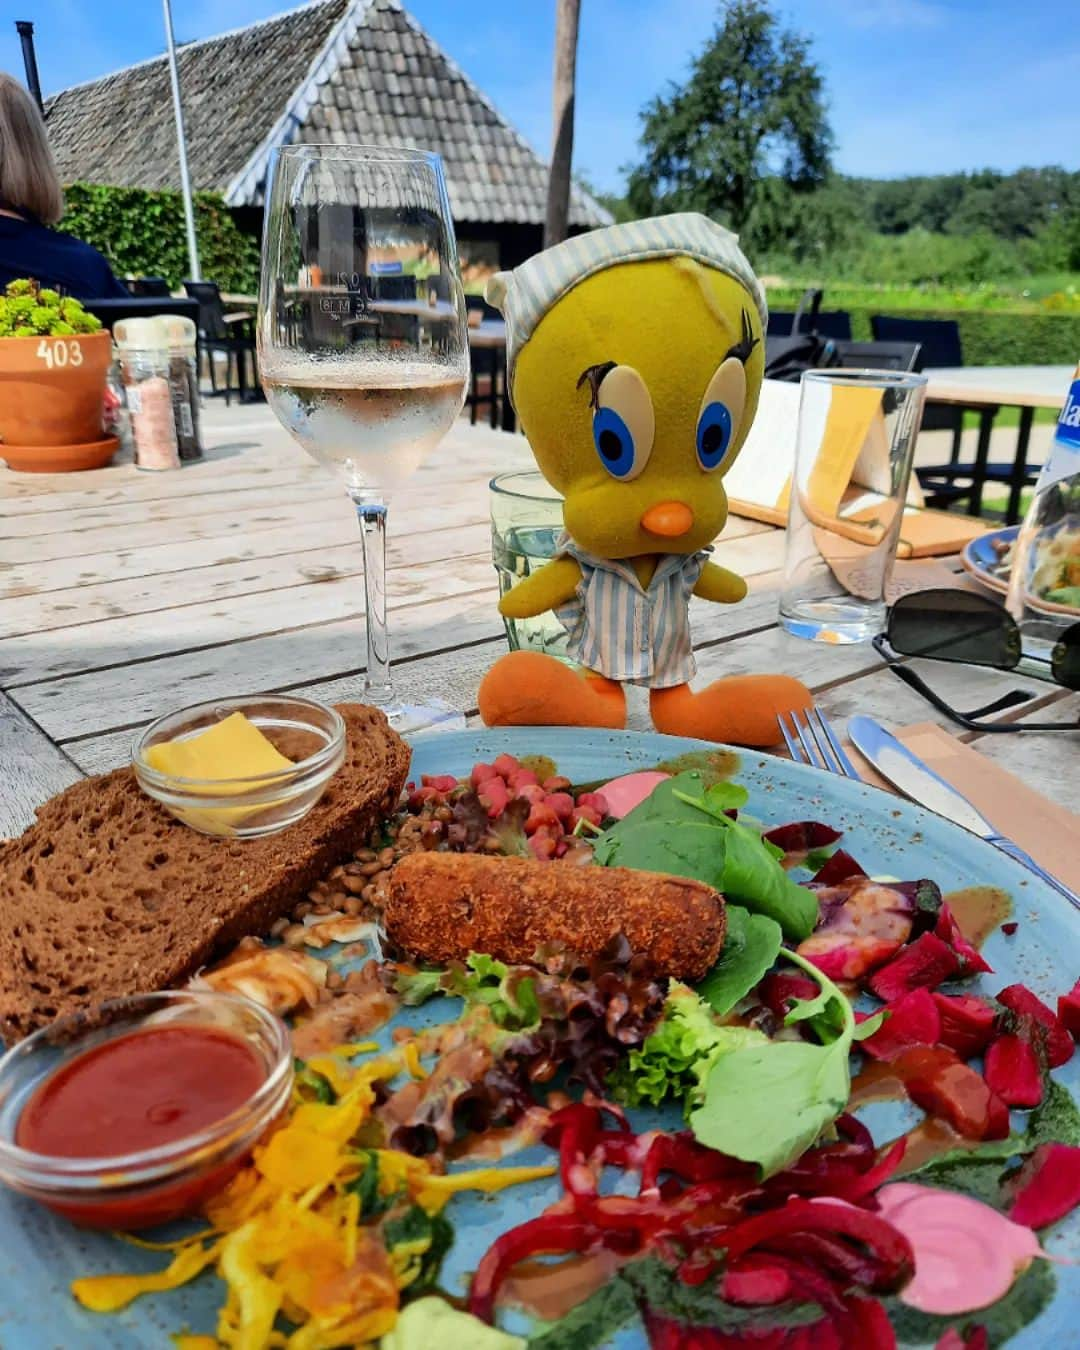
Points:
(915, 86)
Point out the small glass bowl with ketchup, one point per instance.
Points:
(137, 1116)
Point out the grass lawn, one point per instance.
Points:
(1010, 417)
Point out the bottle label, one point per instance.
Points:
(1064, 458)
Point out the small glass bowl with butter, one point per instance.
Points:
(243, 767)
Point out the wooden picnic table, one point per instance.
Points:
(125, 594)
(988, 389)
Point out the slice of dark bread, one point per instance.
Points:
(107, 895)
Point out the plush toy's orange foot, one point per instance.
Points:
(741, 709)
(532, 689)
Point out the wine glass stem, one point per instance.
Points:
(372, 518)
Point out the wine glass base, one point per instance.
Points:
(433, 715)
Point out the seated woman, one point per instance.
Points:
(31, 200)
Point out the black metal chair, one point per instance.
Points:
(222, 332)
(141, 307)
(488, 364)
(877, 355)
(148, 286)
(940, 342)
(830, 323)
(940, 339)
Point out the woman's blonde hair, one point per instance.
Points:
(28, 178)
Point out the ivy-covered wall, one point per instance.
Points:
(142, 234)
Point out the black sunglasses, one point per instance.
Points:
(963, 626)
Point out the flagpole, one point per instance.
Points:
(181, 148)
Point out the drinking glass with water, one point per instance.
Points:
(526, 522)
(847, 494)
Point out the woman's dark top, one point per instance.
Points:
(28, 249)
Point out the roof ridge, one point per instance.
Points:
(182, 47)
(326, 61)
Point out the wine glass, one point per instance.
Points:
(363, 340)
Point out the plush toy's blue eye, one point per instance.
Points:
(713, 435)
(614, 442)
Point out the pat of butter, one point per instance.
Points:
(231, 748)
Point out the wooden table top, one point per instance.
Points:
(1007, 386)
(124, 593)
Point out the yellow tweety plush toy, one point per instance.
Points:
(635, 360)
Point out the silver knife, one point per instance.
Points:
(905, 770)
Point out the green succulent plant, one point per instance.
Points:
(30, 310)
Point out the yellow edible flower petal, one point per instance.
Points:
(110, 1293)
(411, 1054)
(184, 1342)
(296, 1159)
(434, 1191)
(258, 1298)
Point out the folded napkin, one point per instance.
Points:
(1047, 831)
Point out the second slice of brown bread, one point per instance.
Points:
(107, 895)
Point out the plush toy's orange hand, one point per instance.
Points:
(717, 583)
(548, 588)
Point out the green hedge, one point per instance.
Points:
(142, 234)
(992, 337)
(996, 337)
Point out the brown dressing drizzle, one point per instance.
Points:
(550, 1290)
(979, 910)
(712, 764)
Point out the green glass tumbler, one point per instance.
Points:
(526, 521)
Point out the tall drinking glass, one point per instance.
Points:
(853, 457)
(363, 341)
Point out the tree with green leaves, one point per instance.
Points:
(752, 108)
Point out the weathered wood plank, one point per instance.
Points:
(34, 769)
(190, 629)
(331, 552)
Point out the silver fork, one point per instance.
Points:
(810, 739)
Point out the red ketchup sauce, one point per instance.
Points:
(137, 1092)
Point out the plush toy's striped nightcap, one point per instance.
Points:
(526, 294)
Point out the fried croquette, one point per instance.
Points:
(442, 906)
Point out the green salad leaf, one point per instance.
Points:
(423, 1240)
(750, 948)
(675, 1059)
(752, 872)
(678, 848)
(664, 834)
(766, 1101)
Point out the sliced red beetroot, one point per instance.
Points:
(922, 964)
(1015, 1062)
(911, 1020)
(1059, 1044)
(967, 1023)
(944, 1086)
(946, 928)
(840, 867)
(800, 836)
(865, 923)
(1069, 1011)
(780, 990)
(1047, 1187)
(925, 897)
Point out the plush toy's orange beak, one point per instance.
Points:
(668, 519)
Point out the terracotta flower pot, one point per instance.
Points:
(51, 395)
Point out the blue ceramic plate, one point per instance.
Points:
(980, 557)
(40, 1254)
